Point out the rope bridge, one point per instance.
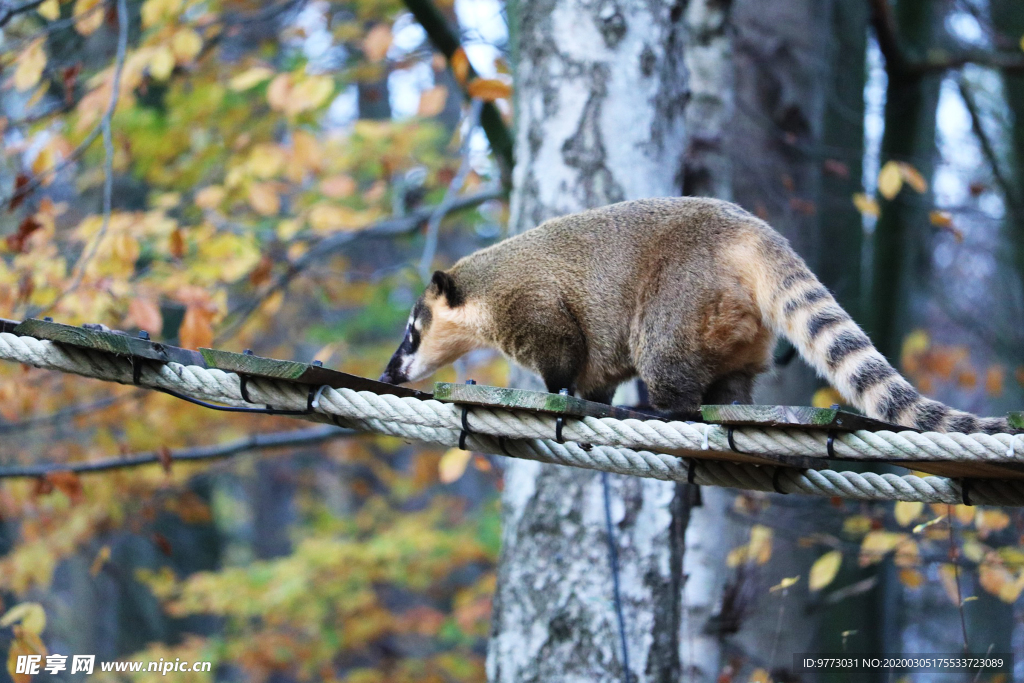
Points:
(760, 448)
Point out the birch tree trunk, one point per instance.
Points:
(600, 92)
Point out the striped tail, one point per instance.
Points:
(804, 311)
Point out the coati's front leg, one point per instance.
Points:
(736, 387)
(675, 383)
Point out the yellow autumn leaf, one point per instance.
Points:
(784, 584)
(907, 512)
(948, 578)
(186, 44)
(866, 205)
(325, 218)
(288, 228)
(377, 42)
(911, 176)
(88, 17)
(826, 397)
(924, 525)
(309, 94)
(210, 197)
(453, 465)
(760, 544)
(987, 521)
(265, 161)
(31, 63)
(155, 11)
(877, 544)
(30, 615)
(1022, 42)
(279, 92)
(760, 676)
(737, 556)
(161, 63)
(101, 559)
(432, 101)
(890, 180)
(264, 199)
(857, 525)
(824, 570)
(250, 78)
(49, 10)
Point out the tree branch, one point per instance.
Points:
(389, 227)
(986, 146)
(900, 65)
(8, 12)
(296, 437)
(447, 41)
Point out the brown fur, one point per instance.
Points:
(686, 293)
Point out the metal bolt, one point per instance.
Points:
(318, 363)
(48, 319)
(143, 335)
(247, 352)
(470, 381)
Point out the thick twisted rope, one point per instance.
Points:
(623, 446)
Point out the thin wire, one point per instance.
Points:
(956, 576)
(613, 560)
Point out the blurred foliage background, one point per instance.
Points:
(280, 176)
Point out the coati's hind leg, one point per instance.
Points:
(736, 387)
(675, 384)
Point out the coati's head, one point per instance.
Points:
(442, 327)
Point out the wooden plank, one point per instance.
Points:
(8, 325)
(832, 419)
(303, 373)
(962, 469)
(795, 461)
(523, 399)
(118, 343)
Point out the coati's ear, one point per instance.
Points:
(447, 288)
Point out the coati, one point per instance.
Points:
(686, 293)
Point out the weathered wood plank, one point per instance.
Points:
(8, 325)
(963, 469)
(303, 373)
(523, 399)
(118, 343)
(832, 419)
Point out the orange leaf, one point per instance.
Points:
(177, 244)
(489, 89)
(145, 315)
(165, 458)
(101, 559)
(460, 65)
(377, 42)
(994, 380)
(432, 101)
(196, 328)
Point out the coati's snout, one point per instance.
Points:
(437, 333)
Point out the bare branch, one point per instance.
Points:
(898, 64)
(434, 224)
(398, 225)
(986, 145)
(108, 152)
(65, 414)
(8, 12)
(297, 437)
